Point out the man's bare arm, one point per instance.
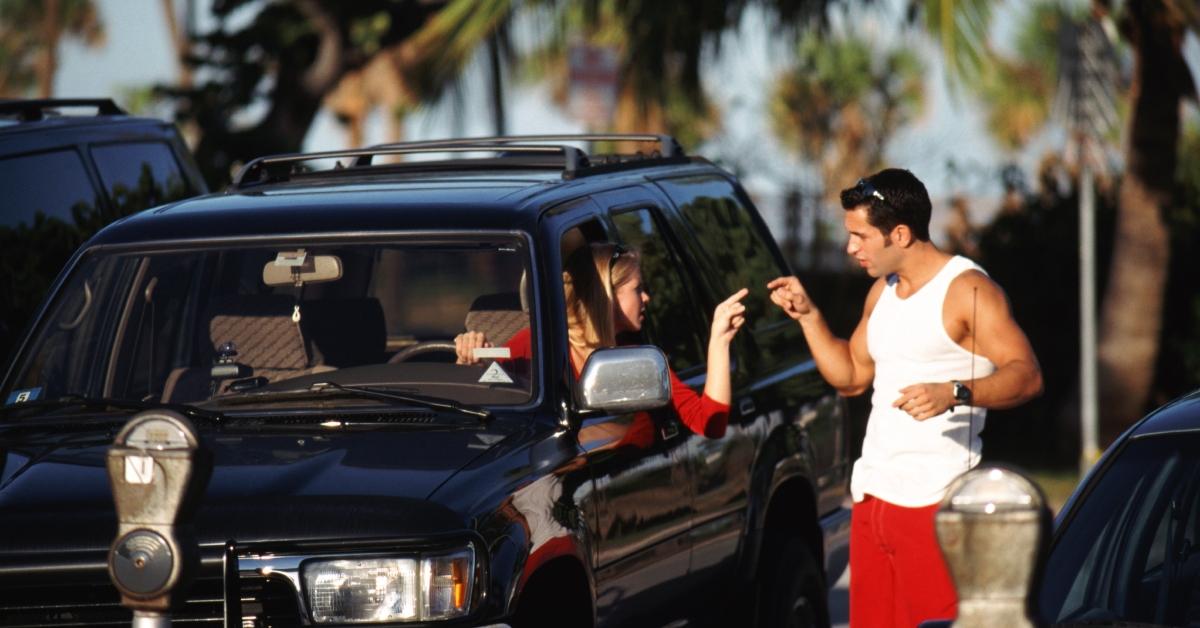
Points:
(982, 321)
(845, 364)
(1018, 376)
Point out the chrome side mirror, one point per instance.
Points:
(991, 526)
(624, 379)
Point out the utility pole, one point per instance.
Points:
(1086, 101)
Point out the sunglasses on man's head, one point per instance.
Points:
(867, 189)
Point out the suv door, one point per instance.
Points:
(731, 246)
(640, 510)
(678, 321)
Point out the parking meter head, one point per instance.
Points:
(991, 527)
(158, 471)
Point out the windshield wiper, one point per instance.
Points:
(321, 388)
(85, 402)
(438, 403)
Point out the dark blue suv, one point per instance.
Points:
(67, 168)
(304, 321)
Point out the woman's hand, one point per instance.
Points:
(729, 316)
(465, 345)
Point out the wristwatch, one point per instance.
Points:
(962, 394)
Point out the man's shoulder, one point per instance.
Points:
(973, 287)
(972, 277)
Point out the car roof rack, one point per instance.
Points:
(278, 168)
(36, 109)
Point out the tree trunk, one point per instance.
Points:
(48, 65)
(1131, 313)
(179, 41)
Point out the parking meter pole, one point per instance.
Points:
(143, 619)
(990, 528)
(157, 471)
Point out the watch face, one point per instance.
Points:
(961, 393)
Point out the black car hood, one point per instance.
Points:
(263, 487)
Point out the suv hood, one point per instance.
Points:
(264, 487)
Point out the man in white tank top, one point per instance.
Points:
(938, 344)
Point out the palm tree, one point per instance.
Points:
(30, 32)
(682, 111)
(840, 102)
(380, 84)
(1131, 312)
(660, 46)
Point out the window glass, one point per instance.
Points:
(730, 239)
(673, 321)
(1131, 552)
(55, 184)
(139, 175)
(285, 316)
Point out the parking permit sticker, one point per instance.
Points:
(495, 375)
(21, 396)
(139, 470)
(492, 353)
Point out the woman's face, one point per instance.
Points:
(630, 304)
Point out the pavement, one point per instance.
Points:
(839, 601)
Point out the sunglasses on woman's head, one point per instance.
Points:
(618, 251)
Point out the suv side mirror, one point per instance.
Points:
(624, 379)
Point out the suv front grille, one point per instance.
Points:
(91, 600)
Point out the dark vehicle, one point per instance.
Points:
(304, 322)
(1126, 548)
(67, 168)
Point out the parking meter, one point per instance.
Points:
(158, 472)
(991, 526)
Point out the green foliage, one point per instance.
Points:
(1017, 93)
(367, 32)
(841, 100)
(276, 68)
(961, 29)
(24, 37)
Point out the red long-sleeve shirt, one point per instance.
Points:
(699, 412)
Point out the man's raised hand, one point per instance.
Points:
(789, 294)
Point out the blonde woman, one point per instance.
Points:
(605, 296)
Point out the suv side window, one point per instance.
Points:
(673, 318)
(53, 183)
(140, 174)
(730, 238)
(733, 248)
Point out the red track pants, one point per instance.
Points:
(897, 575)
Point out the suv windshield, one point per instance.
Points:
(1131, 552)
(211, 325)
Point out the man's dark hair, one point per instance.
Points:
(904, 201)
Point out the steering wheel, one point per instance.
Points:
(421, 348)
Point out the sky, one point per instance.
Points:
(138, 53)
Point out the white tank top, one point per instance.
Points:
(905, 461)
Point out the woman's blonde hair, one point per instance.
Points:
(591, 276)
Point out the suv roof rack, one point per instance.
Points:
(576, 162)
(36, 109)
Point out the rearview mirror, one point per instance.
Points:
(624, 379)
(298, 267)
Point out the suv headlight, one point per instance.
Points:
(390, 589)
